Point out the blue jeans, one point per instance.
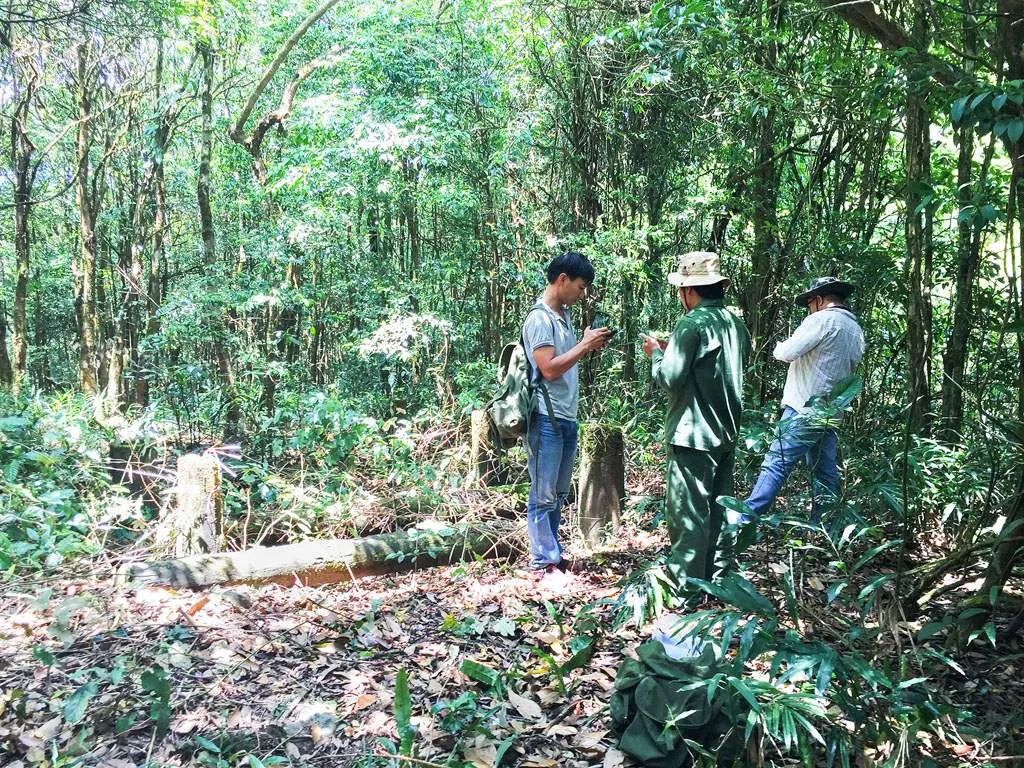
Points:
(551, 451)
(799, 439)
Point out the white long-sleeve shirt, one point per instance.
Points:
(826, 347)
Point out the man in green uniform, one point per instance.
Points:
(701, 369)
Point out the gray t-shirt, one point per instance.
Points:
(547, 328)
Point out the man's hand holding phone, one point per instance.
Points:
(600, 325)
(597, 338)
(651, 343)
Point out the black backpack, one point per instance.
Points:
(510, 409)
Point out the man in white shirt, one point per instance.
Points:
(825, 348)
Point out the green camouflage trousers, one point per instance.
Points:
(700, 547)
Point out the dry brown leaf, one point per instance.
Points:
(549, 696)
(590, 740)
(198, 605)
(480, 755)
(29, 740)
(49, 729)
(561, 729)
(526, 707)
(321, 733)
(815, 583)
(364, 701)
(546, 637)
(240, 718)
(613, 758)
(538, 762)
(187, 722)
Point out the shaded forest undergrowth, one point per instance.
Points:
(479, 664)
(498, 667)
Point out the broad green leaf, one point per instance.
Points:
(737, 591)
(503, 748)
(956, 111)
(931, 629)
(990, 632)
(581, 657)
(744, 691)
(874, 585)
(970, 613)
(75, 706)
(834, 589)
(480, 672)
(204, 743)
(910, 682)
(872, 553)
(824, 677)
(845, 390)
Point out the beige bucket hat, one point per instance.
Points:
(697, 268)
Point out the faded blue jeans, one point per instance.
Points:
(799, 439)
(551, 452)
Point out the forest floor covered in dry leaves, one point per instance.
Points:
(307, 676)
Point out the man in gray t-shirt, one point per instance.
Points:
(546, 327)
(554, 352)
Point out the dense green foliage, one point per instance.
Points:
(304, 246)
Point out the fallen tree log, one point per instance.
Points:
(330, 560)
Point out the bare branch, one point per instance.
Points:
(863, 16)
(237, 132)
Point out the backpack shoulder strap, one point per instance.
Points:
(541, 385)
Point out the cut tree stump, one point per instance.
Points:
(602, 481)
(484, 455)
(193, 524)
(327, 561)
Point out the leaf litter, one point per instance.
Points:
(307, 675)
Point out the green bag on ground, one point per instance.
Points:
(655, 710)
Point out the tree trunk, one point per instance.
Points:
(760, 306)
(1005, 555)
(23, 178)
(602, 481)
(84, 268)
(326, 561)
(205, 153)
(758, 302)
(955, 354)
(6, 372)
(919, 238)
(484, 455)
(954, 357)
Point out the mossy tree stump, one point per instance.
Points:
(602, 480)
(195, 521)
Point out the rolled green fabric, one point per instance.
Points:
(655, 711)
